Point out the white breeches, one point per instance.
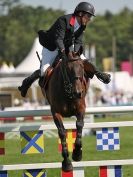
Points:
(48, 58)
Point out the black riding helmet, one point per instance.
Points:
(85, 7)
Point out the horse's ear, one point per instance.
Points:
(80, 51)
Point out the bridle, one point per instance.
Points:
(68, 83)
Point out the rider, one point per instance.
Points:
(64, 37)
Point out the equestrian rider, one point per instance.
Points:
(64, 36)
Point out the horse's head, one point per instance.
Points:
(73, 76)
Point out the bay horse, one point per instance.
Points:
(65, 92)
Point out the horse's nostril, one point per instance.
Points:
(78, 94)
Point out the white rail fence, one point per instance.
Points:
(68, 125)
(46, 111)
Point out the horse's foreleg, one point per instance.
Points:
(77, 152)
(66, 164)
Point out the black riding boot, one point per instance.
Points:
(92, 70)
(27, 82)
(104, 77)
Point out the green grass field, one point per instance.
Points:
(89, 151)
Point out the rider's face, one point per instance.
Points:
(86, 18)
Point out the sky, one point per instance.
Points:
(68, 5)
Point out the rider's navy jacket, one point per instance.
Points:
(61, 35)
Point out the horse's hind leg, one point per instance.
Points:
(77, 152)
(66, 164)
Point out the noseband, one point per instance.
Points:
(68, 83)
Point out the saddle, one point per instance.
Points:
(43, 81)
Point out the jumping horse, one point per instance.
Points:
(65, 92)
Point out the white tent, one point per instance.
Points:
(4, 68)
(31, 62)
(11, 68)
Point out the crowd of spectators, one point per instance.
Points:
(113, 98)
(98, 98)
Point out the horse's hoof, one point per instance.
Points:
(77, 155)
(67, 166)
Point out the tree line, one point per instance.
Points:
(19, 25)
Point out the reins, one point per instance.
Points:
(66, 80)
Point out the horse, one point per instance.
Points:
(65, 92)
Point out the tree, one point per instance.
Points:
(20, 24)
(102, 30)
(6, 5)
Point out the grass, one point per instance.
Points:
(13, 155)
